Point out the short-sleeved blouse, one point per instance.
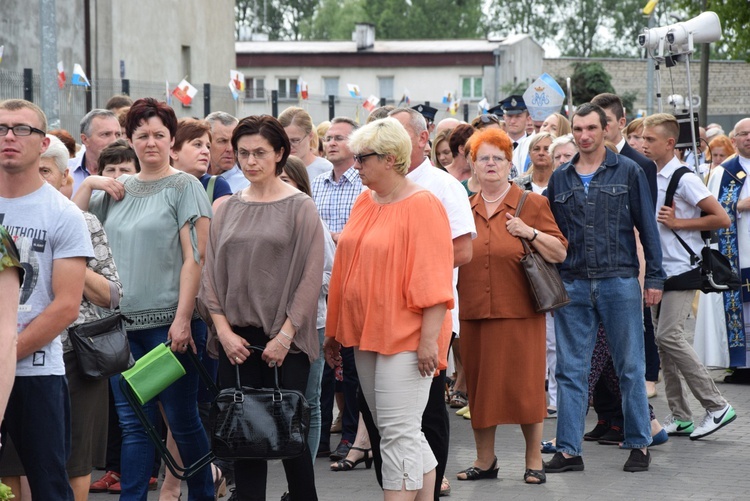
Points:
(493, 284)
(264, 264)
(392, 261)
(143, 230)
(9, 253)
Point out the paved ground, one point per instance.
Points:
(712, 468)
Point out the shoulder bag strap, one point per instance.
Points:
(669, 200)
(526, 246)
(210, 189)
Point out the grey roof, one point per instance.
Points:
(381, 46)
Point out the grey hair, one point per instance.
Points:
(416, 120)
(89, 117)
(566, 139)
(57, 152)
(345, 120)
(221, 117)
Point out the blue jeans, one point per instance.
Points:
(312, 395)
(180, 406)
(617, 304)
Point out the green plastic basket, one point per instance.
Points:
(153, 373)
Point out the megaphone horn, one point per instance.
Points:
(705, 28)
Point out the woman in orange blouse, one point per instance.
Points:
(389, 296)
(502, 336)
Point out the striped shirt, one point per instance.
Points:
(335, 199)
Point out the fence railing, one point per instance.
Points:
(75, 101)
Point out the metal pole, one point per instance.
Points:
(382, 101)
(650, 74)
(331, 107)
(28, 84)
(705, 58)
(206, 99)
(126, 86)
(466, 112)
(275, 103)
(48, 36)
(690, 110)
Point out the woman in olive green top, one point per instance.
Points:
(11, 276)
(157, 222)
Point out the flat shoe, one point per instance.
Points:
(537, 474)
(462, 411)
(458, 400)
(475, 473)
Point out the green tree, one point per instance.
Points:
(588, 80)
(735, 20)
(334, 20)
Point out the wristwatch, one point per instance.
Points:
(536, 234)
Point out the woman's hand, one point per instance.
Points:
(518, 228)
(332, 352)
(427, 356)
(181, 336)
(234, 346)
(112, 186)
(275, 353)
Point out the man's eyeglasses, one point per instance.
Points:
(360, 158)
(338, 139)
(20, 130)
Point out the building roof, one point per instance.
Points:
(381, 46)
(384, 53)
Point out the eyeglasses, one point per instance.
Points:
(20, 130)
(483, 160)
(338, 139)
(296, 141)
(360, 158)
(258, 154)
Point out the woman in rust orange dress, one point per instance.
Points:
(502, 336)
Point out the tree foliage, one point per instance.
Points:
(588, 80)
(735, 20)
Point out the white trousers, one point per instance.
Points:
(397, 395)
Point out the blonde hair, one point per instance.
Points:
(666, 121)
(442, 136)
(385, 137)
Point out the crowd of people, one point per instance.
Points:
(378, 267)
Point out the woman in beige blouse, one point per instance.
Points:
(261, 281)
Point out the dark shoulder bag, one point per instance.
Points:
(101, 346)
(259, 423)
(547, 290)
(714, 271)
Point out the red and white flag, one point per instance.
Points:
(371, 103)
(60, 74)
(185, 92)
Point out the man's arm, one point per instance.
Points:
(10, 285)
(716, 217)
(462, 250)
(68, 276)
(642, 212)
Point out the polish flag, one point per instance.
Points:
(60, 74)
(371, 103)
(185, 92)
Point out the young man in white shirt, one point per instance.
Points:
(682, 218)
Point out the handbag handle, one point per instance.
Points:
(238, 384)
(524, 242)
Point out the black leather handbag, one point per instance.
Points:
(101, 346)
(259, 423)
(547, 290)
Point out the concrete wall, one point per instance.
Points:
(728, 96)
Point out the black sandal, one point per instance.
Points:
(475, 473)
(347, 464)
(537, 474)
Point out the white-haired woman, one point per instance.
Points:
(398, 322)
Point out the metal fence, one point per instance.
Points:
(75, 101)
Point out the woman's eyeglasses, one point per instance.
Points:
(360, 158)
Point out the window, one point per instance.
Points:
(287, 88)
(385, 84)
(255, 88)
(471, 88)
(331, 86)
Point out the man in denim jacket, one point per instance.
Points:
(598, 199)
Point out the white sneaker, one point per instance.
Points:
(714, 421)
(675, 427)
